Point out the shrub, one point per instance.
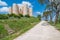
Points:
(14, 15)
(27, 15)
(4, 16)
(20, 15)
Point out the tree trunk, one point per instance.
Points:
(46, 18)
(57, 14)
(56, 19)
(50, 18)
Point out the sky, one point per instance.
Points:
(37, 7)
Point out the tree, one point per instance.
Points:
(59, 19)
(54, 6)
(39, 17)
(45, 14)
(49, 15)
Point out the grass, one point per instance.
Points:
(57, 25)
(18, 25)
(2, 30)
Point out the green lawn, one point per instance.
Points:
(58, 26)
(18, 25)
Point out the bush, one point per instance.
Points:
(14, 15)
(20, 15)
(4, 16)
(27, 15)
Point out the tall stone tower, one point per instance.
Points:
(20, 8)
(30, 11)
(24, 8)
(15, 9)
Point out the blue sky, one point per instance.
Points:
(37, 7)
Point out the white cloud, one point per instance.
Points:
(28, 3)
(2, 3)
(38, 12)
(4, 9)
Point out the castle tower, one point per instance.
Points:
(27, 9)
(24, 8)
(30, 11)
(15, 9)
(20, 8)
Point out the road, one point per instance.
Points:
(41, 31)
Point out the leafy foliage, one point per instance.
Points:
(52, 5)
(14, 15)
(27, 15)
(59, 19)
(39, 17)
(3, 16)
(20, 15)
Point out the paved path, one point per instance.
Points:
(42, 31)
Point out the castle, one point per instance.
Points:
(23, 9)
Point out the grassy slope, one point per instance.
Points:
(3, 32)
(18, 25)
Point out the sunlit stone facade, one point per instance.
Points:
(23, 9)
